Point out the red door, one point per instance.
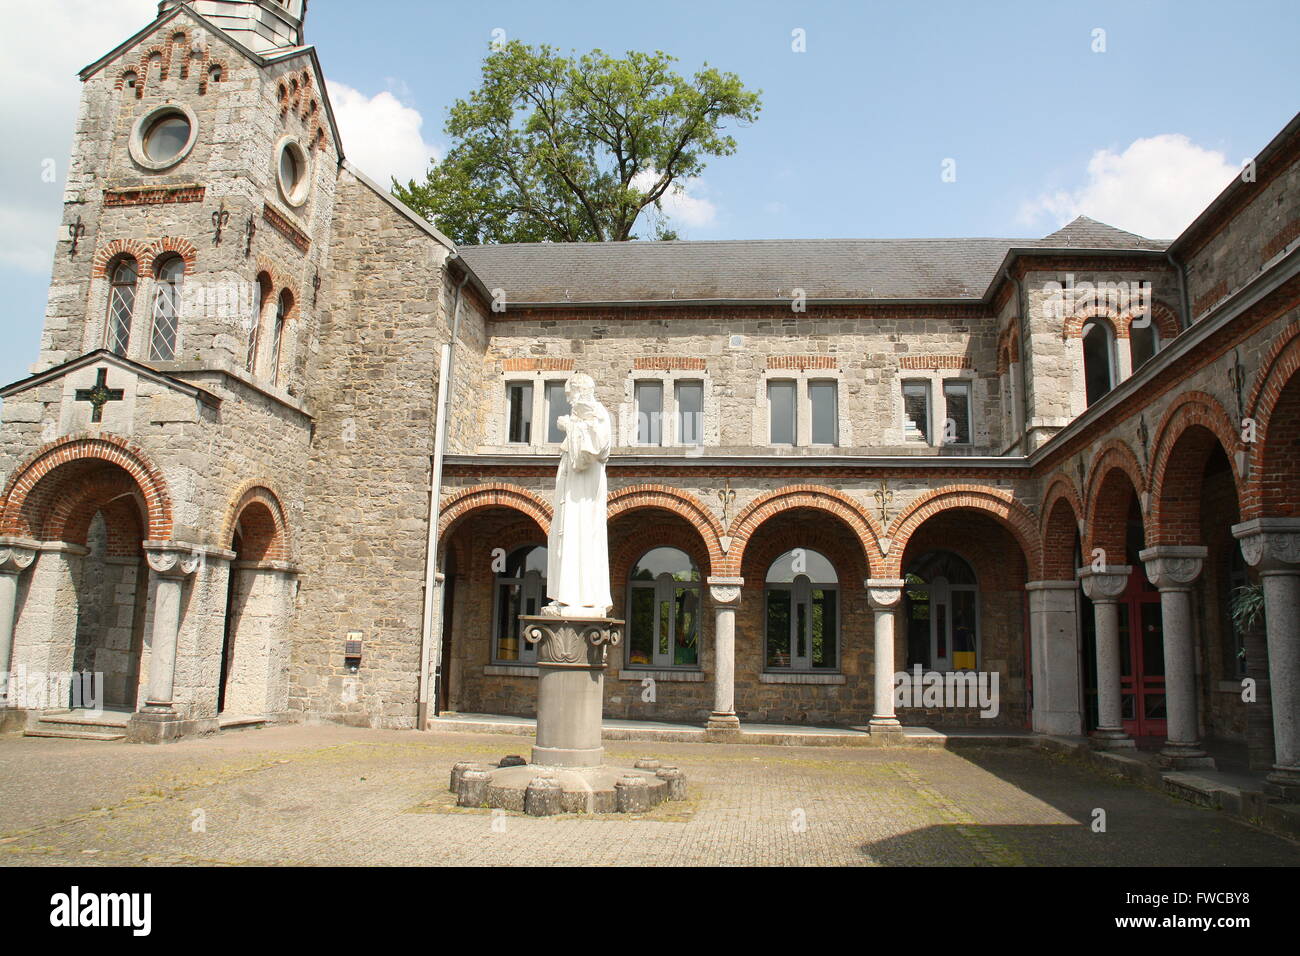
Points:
(1142, 659)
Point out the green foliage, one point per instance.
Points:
(1247, 607)
(575, 150)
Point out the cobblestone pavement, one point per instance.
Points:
(339, 795)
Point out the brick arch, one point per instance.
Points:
(280, 281)
(1162, 317)
(996, 502)
(1062, 515)
(104, 489)
(172, 244)
(678, 502)
(1074, 324)
(1114, 472)
(461, 503)
(271, 539)
(476, 554)
(1270, 489)
(1187, 434)
(35, 488)
(677, 534)
(849, 561)
(815, 497)
(109, 252)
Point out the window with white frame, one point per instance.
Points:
(649, 397)
(519, 589)
(801, 606)
(823, 400)
(690, 412)
(168, 275)
(957, 411)
(781, 420)
(663, 617)
(941, 613)
(557, 406)
(519, 412)
(916, 410)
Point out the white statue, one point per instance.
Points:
(577, 560)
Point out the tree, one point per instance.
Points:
(575, 150)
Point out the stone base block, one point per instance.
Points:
(147, 728)
(545, 791)
(12, 721)
(1112, 740)
(884, 725)
(723, 722)
(1185, 758)
(1283, 784)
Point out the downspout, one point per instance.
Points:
(431, 590)
(1185, 307)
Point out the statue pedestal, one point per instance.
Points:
(568, 773)
(571, 657)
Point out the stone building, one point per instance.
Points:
(287, 452)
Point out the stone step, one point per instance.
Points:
(75, 720)
(39, 731)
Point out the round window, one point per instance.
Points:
(163, 137)
(293, 172)
(167, 137)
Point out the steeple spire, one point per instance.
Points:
(264, 26)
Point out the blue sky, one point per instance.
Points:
(853, 132)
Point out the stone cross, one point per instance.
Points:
(99, 395)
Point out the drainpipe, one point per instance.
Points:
(1185, 307)
(431, 591)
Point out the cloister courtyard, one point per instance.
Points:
(323, 794)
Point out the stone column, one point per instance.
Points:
(1272, 546)
(1103, 589)
(571, 657)
(884, 595)
(171, 566)
(725, 593)
(1172, 570)
(16, 556)
(1054, 654)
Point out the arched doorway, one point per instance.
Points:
(941, 613)
(259, 597)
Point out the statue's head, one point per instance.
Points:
(580, 388)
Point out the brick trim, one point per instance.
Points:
(997, 502)
(83, 446)
(281, 224)
(1104, 522)
(1059, 528)
(1275, 373)
(816, 497)
(545, 364)
(460, 504)
(669, 363)
(678, 502)
(1175, 481)
(802, 362)
(934, 362)
(259, 491)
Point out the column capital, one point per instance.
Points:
(1270, 544)
(17, 554)
(884, 593)
(1173, 567)
(1105, 585)
(172, 560)
(724, 591)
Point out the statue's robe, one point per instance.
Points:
(577, 559)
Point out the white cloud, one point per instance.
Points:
(381, 135)
(41, 91)
(683, 203)
(1154, 188)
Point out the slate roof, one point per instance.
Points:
(766, 269)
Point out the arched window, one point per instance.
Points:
(1098, 359)
(801, 602)
(121, 305)
(166, 308)
(664, 610)
(1143, 343)
(264, 291)
(942, 613)
(520, 589)
(282, 307)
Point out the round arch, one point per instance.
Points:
(43, 487)
(1265, 494)
(463, 502)
(1187, 434)
(1061, 513)
(814, 497)
(994, 502)
(1115, 472)
(681, 503)
(255, 509)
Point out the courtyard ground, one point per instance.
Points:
(325, 794)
